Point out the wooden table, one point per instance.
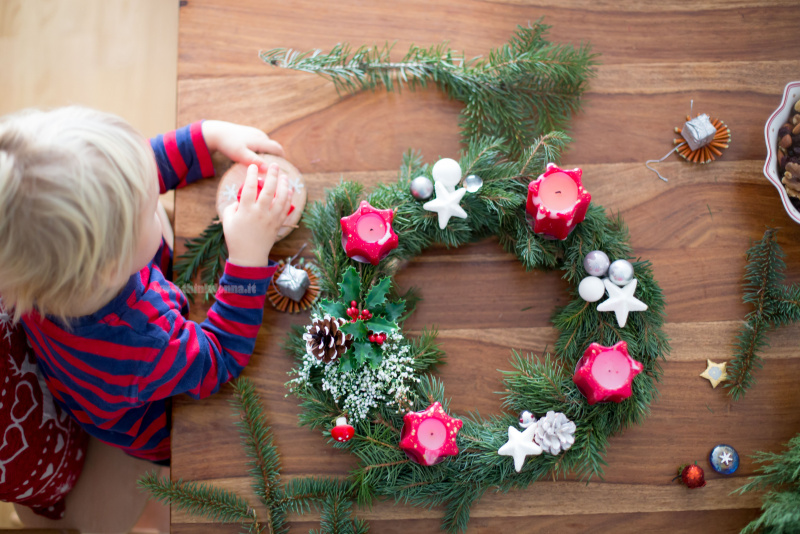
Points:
(732, 57)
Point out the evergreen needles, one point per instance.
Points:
(774, 305)
(780, 473)
(520, 91)
(535, 383)
(333, 497)
(204, 255)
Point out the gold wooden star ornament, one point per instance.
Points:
(715, 373)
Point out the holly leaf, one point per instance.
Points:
(346, 363)
(377, 293)
(334, 309)
(357, 329)
(379, 324)
(350, 286)
(365, 352)
(394, 310)
(376, 359)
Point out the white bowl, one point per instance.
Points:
(791, 94)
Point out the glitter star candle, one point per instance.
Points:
(367, 234)
(429, 436)
(557, 202)
(605, 374)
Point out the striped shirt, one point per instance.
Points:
(115, 370)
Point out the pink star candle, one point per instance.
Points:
(606, 373)
(557, 202)
(429, 436)
(367, 234)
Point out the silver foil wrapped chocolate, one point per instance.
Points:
(698, 132)
(293, 283)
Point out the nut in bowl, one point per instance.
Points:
(782, 135)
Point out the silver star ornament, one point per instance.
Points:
(446, 204)
(621, 301)
(520, 445)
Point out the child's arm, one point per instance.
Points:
(197, 358)
(183, 156)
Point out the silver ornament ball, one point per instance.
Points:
(620, 272)
(596, 263)
(472, 183)
(421, 188)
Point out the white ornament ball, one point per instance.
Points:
(596, 263)
(591, 289)
(620, 272)
(421, 188)
(448, 172)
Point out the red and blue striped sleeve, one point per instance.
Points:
(198, 358)
(182, 157)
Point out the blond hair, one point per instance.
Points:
(73, 183)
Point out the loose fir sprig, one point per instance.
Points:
(520, 91)
(331, 496)
(775, 305)
(780, 474)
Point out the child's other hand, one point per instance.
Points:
(240, 143)
(251, 225)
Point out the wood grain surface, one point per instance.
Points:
(732, 58)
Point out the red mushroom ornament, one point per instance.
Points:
(342, 431)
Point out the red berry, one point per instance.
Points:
(353, 304)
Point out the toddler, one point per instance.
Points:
(82, 263)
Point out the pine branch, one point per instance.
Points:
(257, 441)
(519, 91)
(198, 499)
(205, 256)
(774, 305)
(298, 496)
(780, 474)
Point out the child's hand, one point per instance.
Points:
(240, 143)
(251, 225)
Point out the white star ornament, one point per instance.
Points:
(520, 445)
(446, 204)
(621, 301)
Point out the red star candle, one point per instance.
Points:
(557, 202)
(605, 373)
(429, 436)
(367, 234)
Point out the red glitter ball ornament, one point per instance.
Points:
(692, 475)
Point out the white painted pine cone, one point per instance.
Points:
(554, 432)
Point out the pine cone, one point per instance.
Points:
(554, 432)
(325, 341)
